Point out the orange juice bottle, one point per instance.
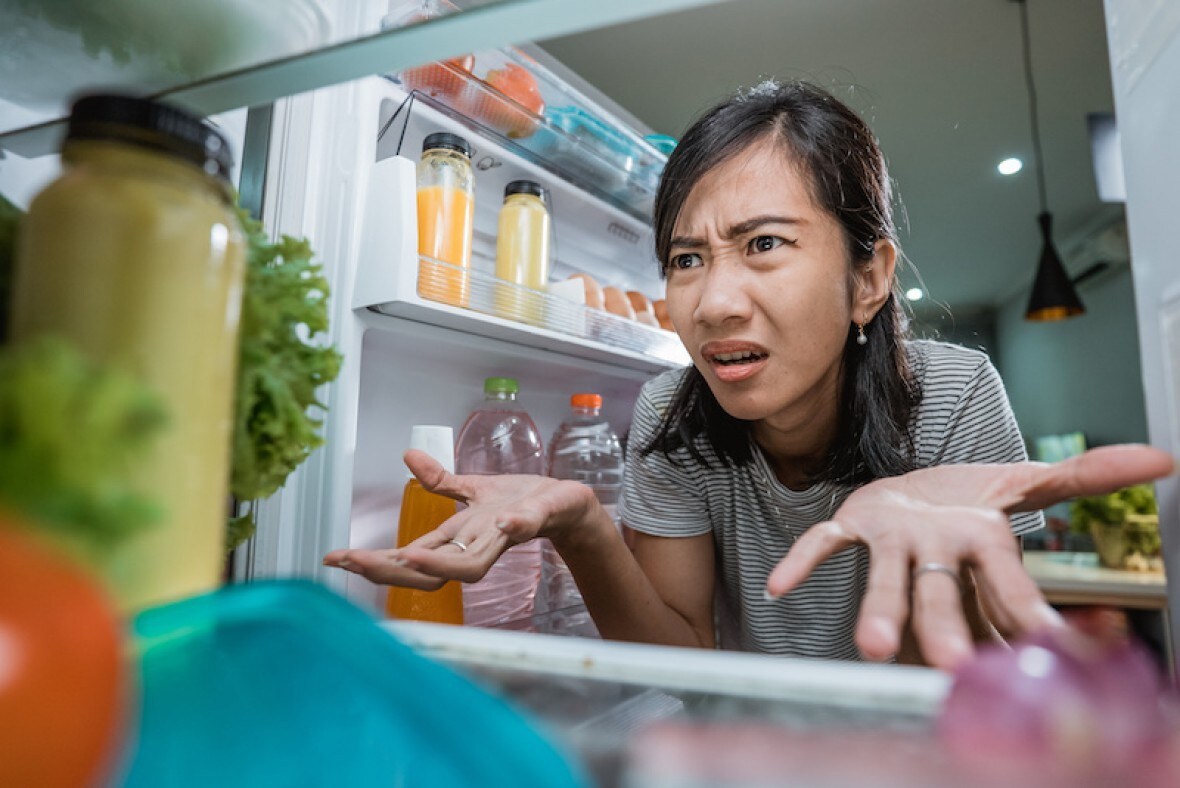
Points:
(446, 218)
(423, 511)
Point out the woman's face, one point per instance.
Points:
(758, 289)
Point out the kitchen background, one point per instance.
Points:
(943, 86)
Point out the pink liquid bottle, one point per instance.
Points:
(499, 437)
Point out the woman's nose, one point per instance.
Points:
(724, 295)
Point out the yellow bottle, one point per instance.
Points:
(446, 218)
(421, 512)
(522, 252)
(135, 257)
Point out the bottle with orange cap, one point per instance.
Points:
(584, 449)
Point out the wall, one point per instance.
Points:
(1079, 374)
(1145, 63)
(973, 328)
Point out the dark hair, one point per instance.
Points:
(849, 179)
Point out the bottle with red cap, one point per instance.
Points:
(584, 449)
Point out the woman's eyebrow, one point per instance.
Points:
(749, 225)
(741, 228)
(687, 242)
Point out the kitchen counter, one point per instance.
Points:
(1077, 579)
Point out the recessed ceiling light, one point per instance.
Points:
(1010, 166)
(914, 294)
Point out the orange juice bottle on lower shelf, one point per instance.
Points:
(446, 217)
(423, 511)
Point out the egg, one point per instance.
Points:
(660, 308)
(617, 303)
(593, 291)
(642, 306)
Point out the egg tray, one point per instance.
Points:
(479, 291)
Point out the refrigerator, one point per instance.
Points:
(335, 164)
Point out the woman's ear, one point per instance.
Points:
(874, 281)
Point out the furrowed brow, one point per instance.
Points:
(749, 225)
(688, 242)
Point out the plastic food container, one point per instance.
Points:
(286, 683)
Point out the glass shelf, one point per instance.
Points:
(250, 53)
(542, 118)
(476, 301)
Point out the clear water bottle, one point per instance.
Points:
(584, 449)
(499, 437)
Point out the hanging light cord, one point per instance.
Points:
(1032, 104)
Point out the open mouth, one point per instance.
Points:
(741, 357)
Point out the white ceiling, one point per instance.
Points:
(940, 81)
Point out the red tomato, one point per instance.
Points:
(445, 79)
(521, 86)
(62, 677)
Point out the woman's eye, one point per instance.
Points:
(764, 243)
(682, 261)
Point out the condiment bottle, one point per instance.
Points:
(522, 251)
(446, 218)
(423, 511)
(135, 256)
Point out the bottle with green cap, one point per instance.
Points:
(500, 437)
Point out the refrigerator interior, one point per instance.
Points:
(417, 372)
(348, 184)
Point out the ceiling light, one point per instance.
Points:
(1053, 296)
(914, 294)
(1010, 166)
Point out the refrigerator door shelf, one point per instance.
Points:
(725, 718)
(902, 691)
(388, 282)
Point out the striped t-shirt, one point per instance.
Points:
(963, 417)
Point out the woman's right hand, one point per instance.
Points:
(501, 511)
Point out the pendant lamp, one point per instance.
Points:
(1053, 295)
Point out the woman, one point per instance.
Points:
(807, 427)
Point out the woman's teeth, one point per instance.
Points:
(736, 358)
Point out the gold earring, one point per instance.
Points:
(861, 339)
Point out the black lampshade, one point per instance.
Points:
(1053, 295)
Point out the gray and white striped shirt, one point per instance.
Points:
(963, 417)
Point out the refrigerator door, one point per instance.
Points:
(641, 715)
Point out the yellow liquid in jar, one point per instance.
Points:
(522, 257)
(423, 511)
(136, 260)
(446, 219)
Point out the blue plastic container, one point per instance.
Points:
(285, 683)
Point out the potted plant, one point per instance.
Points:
(1124, 525)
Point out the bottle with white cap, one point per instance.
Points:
(423, 511)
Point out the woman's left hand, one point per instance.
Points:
(948, 518)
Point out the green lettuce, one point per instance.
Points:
(69, 430)
(280, 366)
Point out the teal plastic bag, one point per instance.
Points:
(286, 683)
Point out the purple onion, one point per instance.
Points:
(1063, 706)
